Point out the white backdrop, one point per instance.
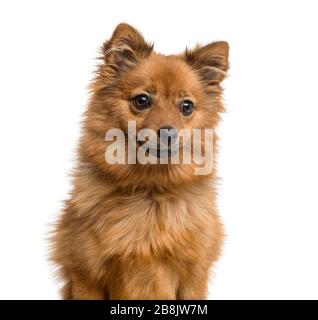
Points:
(268, 150)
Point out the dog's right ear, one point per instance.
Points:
(125, 49)
(210, 61)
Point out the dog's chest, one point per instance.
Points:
(156, 225)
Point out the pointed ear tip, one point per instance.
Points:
(123, 25)
(123, 28)
(222, 45)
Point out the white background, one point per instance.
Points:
(268, 157)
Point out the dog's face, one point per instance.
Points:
(157, 92)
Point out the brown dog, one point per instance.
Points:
(133, 231)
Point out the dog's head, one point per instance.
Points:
(166, 94)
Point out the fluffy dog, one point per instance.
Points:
(143, 231)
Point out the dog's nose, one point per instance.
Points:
(168, 135)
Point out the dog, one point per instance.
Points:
(143, 231)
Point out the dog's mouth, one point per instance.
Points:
(159, 151)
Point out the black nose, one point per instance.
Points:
(168, 135)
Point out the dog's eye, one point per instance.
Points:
(142, 101)
(187, 107)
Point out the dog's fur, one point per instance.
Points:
(142, 231)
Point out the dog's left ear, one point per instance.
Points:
(210, 61)
(126, 48)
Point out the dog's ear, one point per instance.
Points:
(210, 61)
(126, 48)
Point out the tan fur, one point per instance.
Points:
(142, 231)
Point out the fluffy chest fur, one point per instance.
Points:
(148, 224)
(104, 224)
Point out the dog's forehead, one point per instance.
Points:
(167, 75)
